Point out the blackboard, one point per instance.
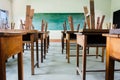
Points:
(56, 20)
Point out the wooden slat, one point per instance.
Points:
(70, 20)
(98, 22)
(78, 27)
(92, 14)
(42, 26)
(28, 9)
(31, 17)
(101, 23)
(87, 17)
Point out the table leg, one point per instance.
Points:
(32, 53)
(2, 68)
(77, 55)
(62, 40)
(84, 63)
(37, 54)
(45, 48)
(20, 66)
(41, 48)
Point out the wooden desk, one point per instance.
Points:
(31, 37)
(70, 37)
(112, 54)
(10, 44)
(88, 38)
(44, 38)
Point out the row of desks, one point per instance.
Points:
(11, 43)
(88, 38)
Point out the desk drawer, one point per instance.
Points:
(11, 45)
(115, 48)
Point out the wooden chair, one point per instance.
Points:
(70, 38)
(92, 26)
(31, 37)
(43, 37)
(12, 25)
(63, 36)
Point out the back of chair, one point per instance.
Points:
(12, 25)
(46, 26)
(70, 20)
(64, 26)
(42, 26)
(22, 25)
(78, 27)
(29, 17)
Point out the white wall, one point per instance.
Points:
(6, 5)
(59, 6)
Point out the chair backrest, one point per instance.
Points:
(12, 25)
(46, 26)
(22, 25)
(29, 17)
(70, 21)
(78, 27)
(87, 17)
(64, 26)
(42, 25)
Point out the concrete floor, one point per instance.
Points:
(55, 66)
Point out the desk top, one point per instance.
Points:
(11, 32)
(112, 35)
(93, 31)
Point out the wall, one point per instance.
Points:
(59, 6)
(6, 5)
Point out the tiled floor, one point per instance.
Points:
(55, 67)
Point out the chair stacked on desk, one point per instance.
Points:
(43, 36)
(90, 36)
(70, 38)
(63, 35)
(31, 37)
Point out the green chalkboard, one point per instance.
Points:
(56, 20)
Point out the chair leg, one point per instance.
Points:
(13, 57)
(103, 50)
(96, 52)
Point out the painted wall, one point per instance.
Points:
(102, 7)
(6, 5)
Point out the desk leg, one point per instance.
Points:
(77, 55)
(47, 42)
(32, 53)
(45, 48)
(37, 54)
(2, 67)
(109, 63)
(68, 51)
(110, 69)
(62, 40)
(96, 52)
(20, 66)
(103, 51)
(66, 48)
(84, 63)
(41, 48)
